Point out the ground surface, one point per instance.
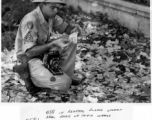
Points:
(115, 62)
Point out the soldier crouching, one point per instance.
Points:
(33, 43)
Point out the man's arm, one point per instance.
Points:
(38, 50)
(29, 34)
(63, 27)
(41, 49)
(30, 37)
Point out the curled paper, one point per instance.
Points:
(73, 37)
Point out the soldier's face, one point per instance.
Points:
(51, 9)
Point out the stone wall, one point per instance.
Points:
(133, 16)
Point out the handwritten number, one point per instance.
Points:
(50, 112)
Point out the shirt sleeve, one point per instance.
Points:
(29, 35)
(59, 24)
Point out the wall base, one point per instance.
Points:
(133, 16)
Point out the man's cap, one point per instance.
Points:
(51, 1)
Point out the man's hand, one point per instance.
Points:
(77, 29)
(61, 43)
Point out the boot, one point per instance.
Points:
(23, 71)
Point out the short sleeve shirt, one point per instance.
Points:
(34, 30)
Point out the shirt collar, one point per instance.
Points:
(40, 15)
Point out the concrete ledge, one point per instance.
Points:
(133, 16)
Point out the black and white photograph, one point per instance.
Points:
(75, 51)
